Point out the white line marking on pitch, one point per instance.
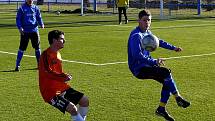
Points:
(167, 27)
(114, 63)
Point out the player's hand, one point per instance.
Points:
(160, 62)
(43, 26)
(21, 31)
(127, 6)
(69, 77)
(178, 49)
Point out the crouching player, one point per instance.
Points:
(53, 81)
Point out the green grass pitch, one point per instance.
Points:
(115, 95)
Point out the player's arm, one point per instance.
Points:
(137, 52)
(166, 45)
(39, 18)
(19, 17)
(127, 1)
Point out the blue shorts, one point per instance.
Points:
(35, 40)
(157, 73)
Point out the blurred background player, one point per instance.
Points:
(53, 81)
(122, 7)
(143, 66)
(27, 19)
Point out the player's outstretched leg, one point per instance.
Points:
(83, 107)
(170, 83)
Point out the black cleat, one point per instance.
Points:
(182, 102)
(126, 21)
(17, 69)
(164, 113)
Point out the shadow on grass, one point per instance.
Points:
(29, 69)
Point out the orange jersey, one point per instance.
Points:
(51, 76)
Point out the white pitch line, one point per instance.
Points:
(189, 56)
(114, 63)
(167, 27)
(86, 63)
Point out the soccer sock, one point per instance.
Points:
(162, 104)
(176, 95)
(165, 94)
(19, 57)
(170, 84)
(37, 54)
(76, 117)
(83, 112)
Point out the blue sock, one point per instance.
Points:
(37, 54)
(170, 84)
(165, 94)
(19, 58)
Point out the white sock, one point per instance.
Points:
(83, 112)
(76, 117)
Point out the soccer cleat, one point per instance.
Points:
(182, 102)
(162, 112)
(120, 23)
(17, 69)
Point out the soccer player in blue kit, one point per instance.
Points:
(27, 19)
(143, 66)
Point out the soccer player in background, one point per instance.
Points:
(53, 82)
(143, 66)
(27, 19)
(122, 7)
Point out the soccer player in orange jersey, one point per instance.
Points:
(53, 81)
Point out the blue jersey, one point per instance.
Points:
(137, 56)
(28, 17)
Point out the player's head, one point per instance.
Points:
(56, 37)
(144, 19)
(29, 2)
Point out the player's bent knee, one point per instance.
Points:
(72, 109)
(166, 72)
(84, 102)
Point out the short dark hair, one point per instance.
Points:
(144, 13)
(54, 34)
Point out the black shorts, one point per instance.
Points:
(61, 101)
(156, 73)
(35, 40)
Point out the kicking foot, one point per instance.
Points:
(182, 102)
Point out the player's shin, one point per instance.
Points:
(77, 117)
(83, 112)
(165, 94)
(170, 84)
(37, 54)
(19, 58)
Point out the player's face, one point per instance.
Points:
(29, 2)
(145, 22)
(60, 42)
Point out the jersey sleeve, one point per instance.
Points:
(19, 18)
(166, 45)
(39, 17)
